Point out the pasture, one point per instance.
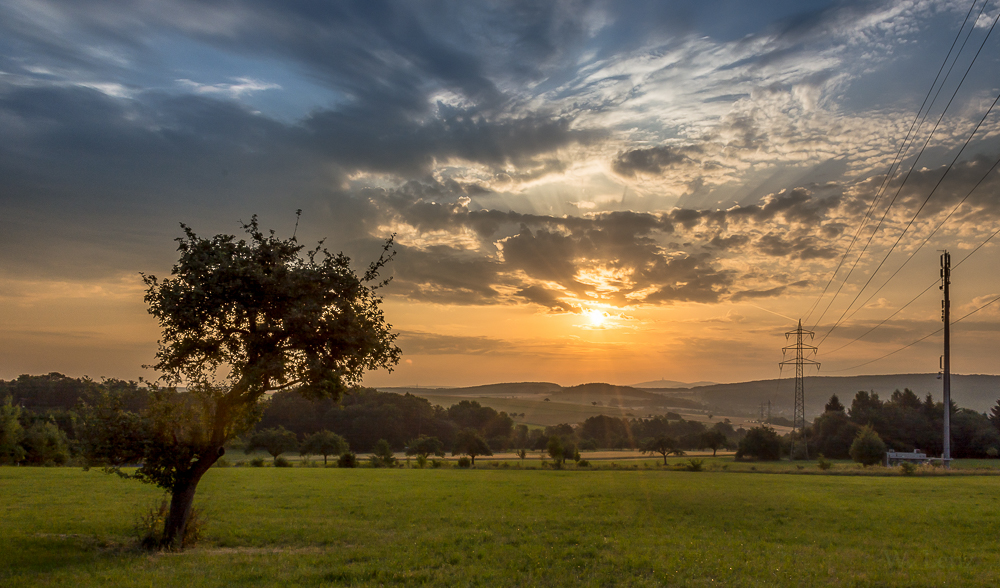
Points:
(509, 527)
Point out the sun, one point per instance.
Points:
(597, 317)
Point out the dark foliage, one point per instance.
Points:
(760, 443)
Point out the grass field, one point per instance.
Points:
(508, 527)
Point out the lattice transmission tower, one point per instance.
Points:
(799, 446)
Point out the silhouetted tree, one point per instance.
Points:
(240, 318)
(867, 448)
(713, 440)
(425, 446)
(470, 442)
(382, 454)
(663, 445)
(11, 433)
(324, 443)
(44, 444)
(274, 441)
(835, 405)
(554, 447)
(760, 443)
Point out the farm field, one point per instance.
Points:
(509, 527)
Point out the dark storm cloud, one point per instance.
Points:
(545, 297)
(653, 160)
(804, 247)
(755, 294)
(444, 275)
(373, 140)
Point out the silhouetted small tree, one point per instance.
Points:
(470, 442)
(868, 448)
(554, 448)
(274, 441)
(424, 446)
(663, 445)
(324, 443)
(713, 440)
(382, 454)
(761, 443)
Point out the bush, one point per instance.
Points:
(760, 443)
(907, 468)
(222, 463)
(347, 460)
(823, 463)
(583, 463)
(149, 527)
(382, 454)
(257, 462)
(436, 463)
(421, 461)
(464, 462)
(992, 452)
(867, 448)
(280, 462)
(694, 465)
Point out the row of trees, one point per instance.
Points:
(903, 422)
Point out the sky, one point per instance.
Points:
(579, 191)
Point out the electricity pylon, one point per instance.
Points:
(799, 417)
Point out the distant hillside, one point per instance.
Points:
(978, 392)
(671, 384)
(494, 390)
(599, 393)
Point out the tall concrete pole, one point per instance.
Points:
(946, 377)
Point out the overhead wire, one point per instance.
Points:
(924, 242)
(933, 190)
(918, 340)
(915, 298)
(885, 182)
(898, 157)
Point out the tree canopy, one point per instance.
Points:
(239, 318)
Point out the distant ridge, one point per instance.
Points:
(671, 384)
(978, 392)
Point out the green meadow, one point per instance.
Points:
(650, 526)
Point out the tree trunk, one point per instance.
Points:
(181, 501)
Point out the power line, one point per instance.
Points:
(918, 340)
(897, 159)
(915, 298)
(933, 190)
(926, 239)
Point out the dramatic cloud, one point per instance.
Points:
(621, 162)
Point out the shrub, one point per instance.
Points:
(421, 461)
(823, 463)
(694, 465)
(907, 468)
(149, 527)
(464, 462)
(992, 452)
(257, 462)
(382, 454)
(760, 443)
(222, 463)
(347, 460)
(583, 463)
(436, 463)
(867, 448)
(280, 462)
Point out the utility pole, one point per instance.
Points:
(799, 416)
(946, 377)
